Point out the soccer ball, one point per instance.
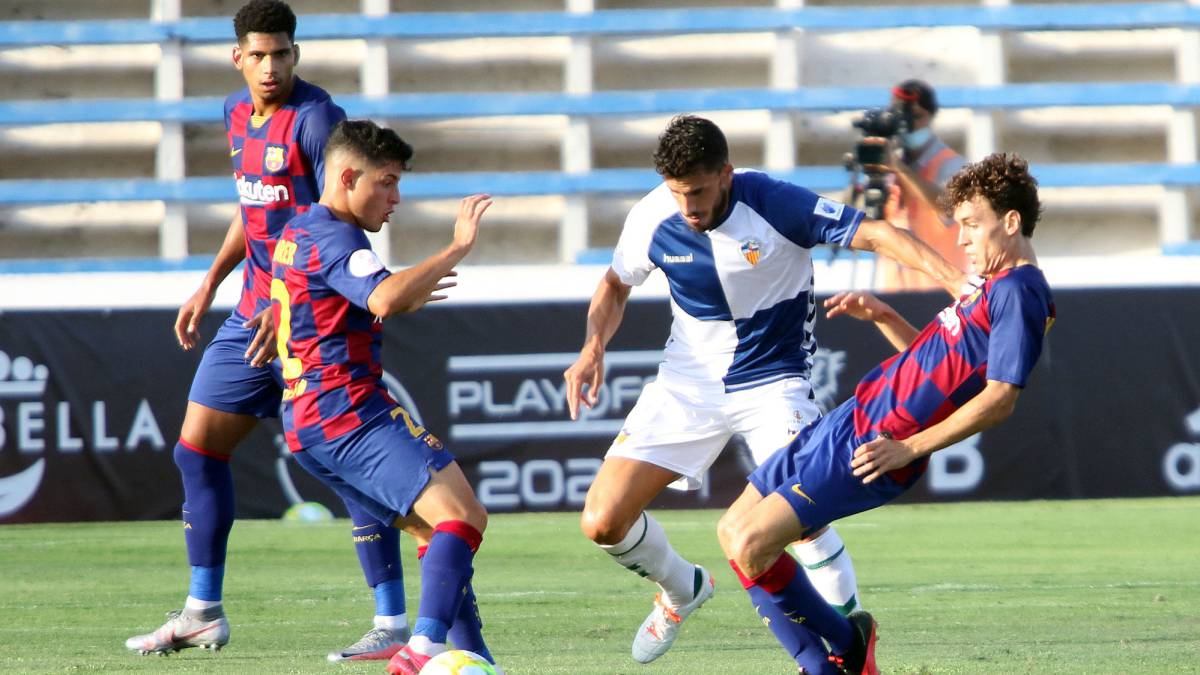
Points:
(307, 512)
(458, 662)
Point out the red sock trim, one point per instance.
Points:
(421, 550)
(747, 582)
(779, 575)
(463, 530)
(200, 451)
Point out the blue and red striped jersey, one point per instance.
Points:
(278, 164)
(993, 332)
(323, 272)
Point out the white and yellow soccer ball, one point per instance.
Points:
(458, 662)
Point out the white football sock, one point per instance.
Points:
(828, 566)
(199, 605)
(391, 622)
(426, 647)
(646, 551)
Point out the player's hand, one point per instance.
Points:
(887, 154)
(466, 226)
(891, 208)
(262, 349)
(857, 304)
(187, 322)
(587, 370)
(435, 295)
(875, 458)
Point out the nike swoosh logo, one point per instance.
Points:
(360, 527)
(235, 152)
(797, 490)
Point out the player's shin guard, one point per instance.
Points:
(800, 643)
(799, 602)
(830, 569)
(208, 504)
(467, 630)
(445, 572)
(378, 548)
(645, 551)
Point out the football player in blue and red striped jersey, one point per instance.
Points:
(329, 293)
(961, 375)
(277, 127)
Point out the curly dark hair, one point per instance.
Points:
(265, 16)
(378, 145)
(688, 145)
(1004, 180)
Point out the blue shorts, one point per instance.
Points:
(225, 380)
(813, 473)
(383, 465)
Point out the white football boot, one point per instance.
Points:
(379, 644)
(208, 629)
(658, 632)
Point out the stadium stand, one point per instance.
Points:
(112, 136)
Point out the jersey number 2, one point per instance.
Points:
(292, 368)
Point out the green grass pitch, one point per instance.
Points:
(1110, 586)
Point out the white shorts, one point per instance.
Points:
(683, 426)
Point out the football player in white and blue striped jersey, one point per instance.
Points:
(735, 248)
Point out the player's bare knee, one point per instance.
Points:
(726, 529)
(602, 526)
(474, 514)
(745, 548)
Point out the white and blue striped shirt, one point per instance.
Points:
(742, 292)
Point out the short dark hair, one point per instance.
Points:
(688, 145)
(378, 145)
(919, 92)
(265, 16)
(1004, 180)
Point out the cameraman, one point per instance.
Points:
(922, 168)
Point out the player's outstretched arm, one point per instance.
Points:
(604, 317)
(233, 251)
(409, 289)
(867, 307)
(902, 246)
(990, 407)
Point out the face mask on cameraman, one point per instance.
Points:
(915, 140)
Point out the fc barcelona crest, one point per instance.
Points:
(750, 251)
(275, 158)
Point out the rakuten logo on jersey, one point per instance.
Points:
(259, 193)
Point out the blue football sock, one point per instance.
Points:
(389, 598)
(794, 596)
(208, 505)
(800, 643)
(207, 583)
(445, 572)
(378, 548)
(804, 646)
(467, 630)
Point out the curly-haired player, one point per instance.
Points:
(959, 376)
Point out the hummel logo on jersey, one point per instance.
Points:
(668, 259)
(827, 208)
